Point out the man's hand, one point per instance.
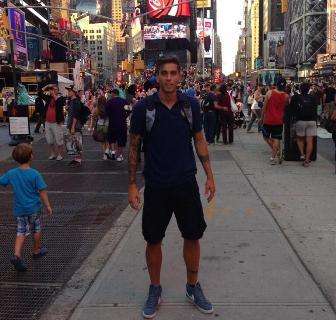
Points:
(49, 210)
(210, 189)
(72, 131)
(134, 197)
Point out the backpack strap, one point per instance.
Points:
(150, 113)
(187, 113)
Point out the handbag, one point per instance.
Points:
(329, 125)
(234, 107)
(100, 130)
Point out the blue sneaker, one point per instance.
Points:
(153, 302)
(42, 253)
(18, 264)
(196, 296)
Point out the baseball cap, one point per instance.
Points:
(72, 88)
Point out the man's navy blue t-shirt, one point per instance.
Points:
(169, 155)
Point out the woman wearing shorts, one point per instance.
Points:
(306, 125)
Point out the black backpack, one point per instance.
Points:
(85, 113)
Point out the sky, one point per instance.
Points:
(229, 12)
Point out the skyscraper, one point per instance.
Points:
(117, 14)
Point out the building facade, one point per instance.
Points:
(117, 15)
(305, 31)
(101, 46)
(255, 32)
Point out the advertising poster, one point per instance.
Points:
(159, 9)
(17, 23)
(206, 36)
(331, 28)
(165, 31)
(275, 46)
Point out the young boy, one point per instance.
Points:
(29, 189)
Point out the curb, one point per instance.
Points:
(65, 302)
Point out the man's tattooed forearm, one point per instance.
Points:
(204, 158)
(133, 158)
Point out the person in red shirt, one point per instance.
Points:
(273, 117)
(53, 125)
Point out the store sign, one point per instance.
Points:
(19, 126)
(206, 36)
(331, 27)
(165, 31)
(159, 9)
(17, 23)
(203, 4)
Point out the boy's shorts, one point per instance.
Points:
(28, 224)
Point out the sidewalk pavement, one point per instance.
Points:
(268, 253)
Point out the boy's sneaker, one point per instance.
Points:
(120, 158)
(196, 296)
(59, 158)
(18, 264)
(153, 302)
(42, 253)
(105, 156)
(52, 157)
(112, 155)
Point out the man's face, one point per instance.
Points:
(207, 89)
(54, 92)
(70, 94)
(169, 77)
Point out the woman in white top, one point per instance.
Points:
(256, 108)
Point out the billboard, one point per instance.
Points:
(275, 48)
(206, 36)
(17, 23)
(159, 9)
(165, 31)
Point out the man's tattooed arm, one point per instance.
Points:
(203, 153)
(133, 157)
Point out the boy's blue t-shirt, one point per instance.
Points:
(26, 184)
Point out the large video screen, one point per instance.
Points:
(165, 31)
(159, 9)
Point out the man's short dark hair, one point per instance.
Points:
(115, 91)
(305, 87)
(213, 87)
(22, 153)
(163, 61)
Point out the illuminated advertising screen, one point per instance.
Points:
(17, 23)
(165, 31)
(159, 9)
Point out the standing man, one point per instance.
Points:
(168, 121)
(117, 132)
(54, 118)
(273, 117)
(75, 125)
(209, 113)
